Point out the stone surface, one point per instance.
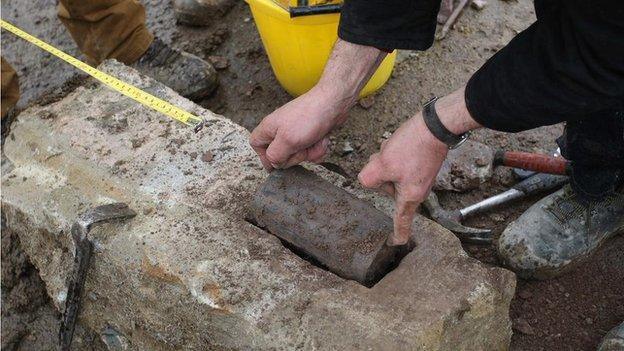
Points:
(465, 167)
(188, 272)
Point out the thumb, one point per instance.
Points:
(372, 175)
(279, 151)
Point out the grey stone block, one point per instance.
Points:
(188, 272)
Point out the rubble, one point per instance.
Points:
(478, 4)
(347, 148)
(219, 62)
(367, 102)
(188, 272)
(465, 167)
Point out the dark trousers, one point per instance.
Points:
(595, 145)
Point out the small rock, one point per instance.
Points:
(589, 320)
(478, 4)
(386, 135)
(466, 167)
(347, 148)
(367, 102)
(523, 327)
(207, 156)
(357, 145)
(219, 62)
(497, 217)
(251, 88)
(113, 339)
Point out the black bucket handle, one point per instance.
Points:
(303, 9)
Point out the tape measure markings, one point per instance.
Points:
(116, 84)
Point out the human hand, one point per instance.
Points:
(298, 131)
(409, 161)
(405, 168)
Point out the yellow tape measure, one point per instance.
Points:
(128, 90)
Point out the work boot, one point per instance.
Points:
(614, 340)
(200, 12)
(185, 73)
(558, 232)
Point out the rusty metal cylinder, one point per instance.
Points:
(341, 232)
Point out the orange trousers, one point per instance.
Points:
(102, 29)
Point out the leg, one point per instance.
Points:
(10, 88)
(115, 29)
(106, 29)
(564, 228)
(595, 145)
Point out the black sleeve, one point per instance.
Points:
(567, 66)
(389, 24)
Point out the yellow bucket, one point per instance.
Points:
(299, 47)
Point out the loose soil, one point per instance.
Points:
(572, 312)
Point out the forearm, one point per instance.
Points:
(347, 71)
(567, 66)
(454, 114)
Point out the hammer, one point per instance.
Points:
(451, 220)
(532, 162)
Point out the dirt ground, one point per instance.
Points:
(569, 313)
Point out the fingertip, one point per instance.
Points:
(363, 178)
(401, 233)
(397, 240)
(274, 157)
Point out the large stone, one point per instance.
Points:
(188, 272)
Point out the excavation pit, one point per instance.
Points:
(188, 272)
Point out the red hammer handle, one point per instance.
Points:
(532, 162)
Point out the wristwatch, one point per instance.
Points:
(438, 129)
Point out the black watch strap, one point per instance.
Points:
(438, 129)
